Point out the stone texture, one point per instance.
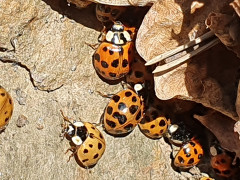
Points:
(49, 70)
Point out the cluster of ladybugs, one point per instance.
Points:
(114, 59)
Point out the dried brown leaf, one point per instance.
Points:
(237, 128)
(226, 28)
(84, 3)
(210, 79)
(125, 2)
(237, 124)
(170, 23)
(222, 127)
(236, 6)
(238, 100)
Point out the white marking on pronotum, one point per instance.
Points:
(138, 87)
(78, 124)
(172, 128)
(77, 140)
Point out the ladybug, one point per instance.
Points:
(6, 108)
(189, 155)
(153, 124)
(222, 165)
(87, 141)
(139, 73)
(123, 112)
(114, 55)
(107, 13)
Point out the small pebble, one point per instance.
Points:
(21, 96)
(21, 121)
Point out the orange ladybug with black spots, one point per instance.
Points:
(222, 165)
(189, 155)
(123, 112)
(87, 142)
(153, 124)
(114, 56)
(6, 108)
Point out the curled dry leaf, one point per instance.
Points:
(125, 2)
(170, 23)
(237, 128)
(238, 100)
(236, 6)
(210, 78)
(227, 29)
(85, 3)
(237, 124)
(222, 127)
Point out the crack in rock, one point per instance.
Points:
(8, 60)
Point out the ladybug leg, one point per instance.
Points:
(125, 85)
(70, 157)
(65, 119)
(73, 150)
(62, 135)
(93, 46)
(101, 38)
(100, 123)
(64, 125)
(102, 35)
(105, 95)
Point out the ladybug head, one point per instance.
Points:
(117, 27)
(78, 132)
(117, 35)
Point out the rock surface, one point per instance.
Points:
(51, 69)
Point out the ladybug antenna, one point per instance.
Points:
(65, 118)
